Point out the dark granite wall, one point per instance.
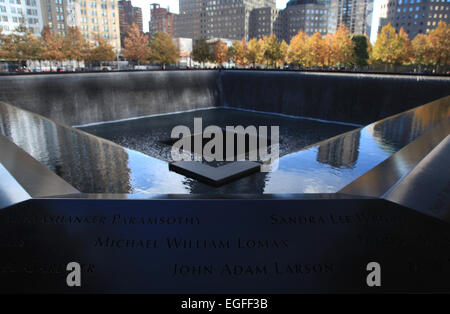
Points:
(355, 98)
(75, 99)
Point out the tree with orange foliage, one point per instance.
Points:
(101, 50)
(136, 45)
(75, 45)
(2, 43)
(284, 47)
(341, 47)
(384, 46)
(254, 51)
(26, 45)
(53, 46)
(422, 50)
(317, 50)
(439, 39)
(5, 46)
(220, 52)
(327, 49)
(298, 49)
(404, 48)
(392, 48)
(272, 50)
(238, 51)
(164, 50)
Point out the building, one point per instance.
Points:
(311, 16)
(184, 46)
(356, 15)
(56, 16)
(100, 18)
(161, 20)
(16, 12)
(266, 21)
(416, 16)
(128, 15)
(379, 18)
(237, 19)
(95, 18)
(217, 18)
(73, 13)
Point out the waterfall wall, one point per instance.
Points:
(355, 98)
(83, 98)
(75, 99)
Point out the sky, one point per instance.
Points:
(173, 5)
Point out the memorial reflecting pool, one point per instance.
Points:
(95, 165)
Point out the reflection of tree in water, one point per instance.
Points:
(340, 152)
(90, 164)
(394, 133)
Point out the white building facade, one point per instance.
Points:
(16, 12)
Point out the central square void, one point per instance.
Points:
(226, 134)
(152, 135)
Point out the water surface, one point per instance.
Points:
(147, 134)
(96, 165)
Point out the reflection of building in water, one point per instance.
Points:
(90, 164)
(340, 152)
(402, 130)
(395, 133)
